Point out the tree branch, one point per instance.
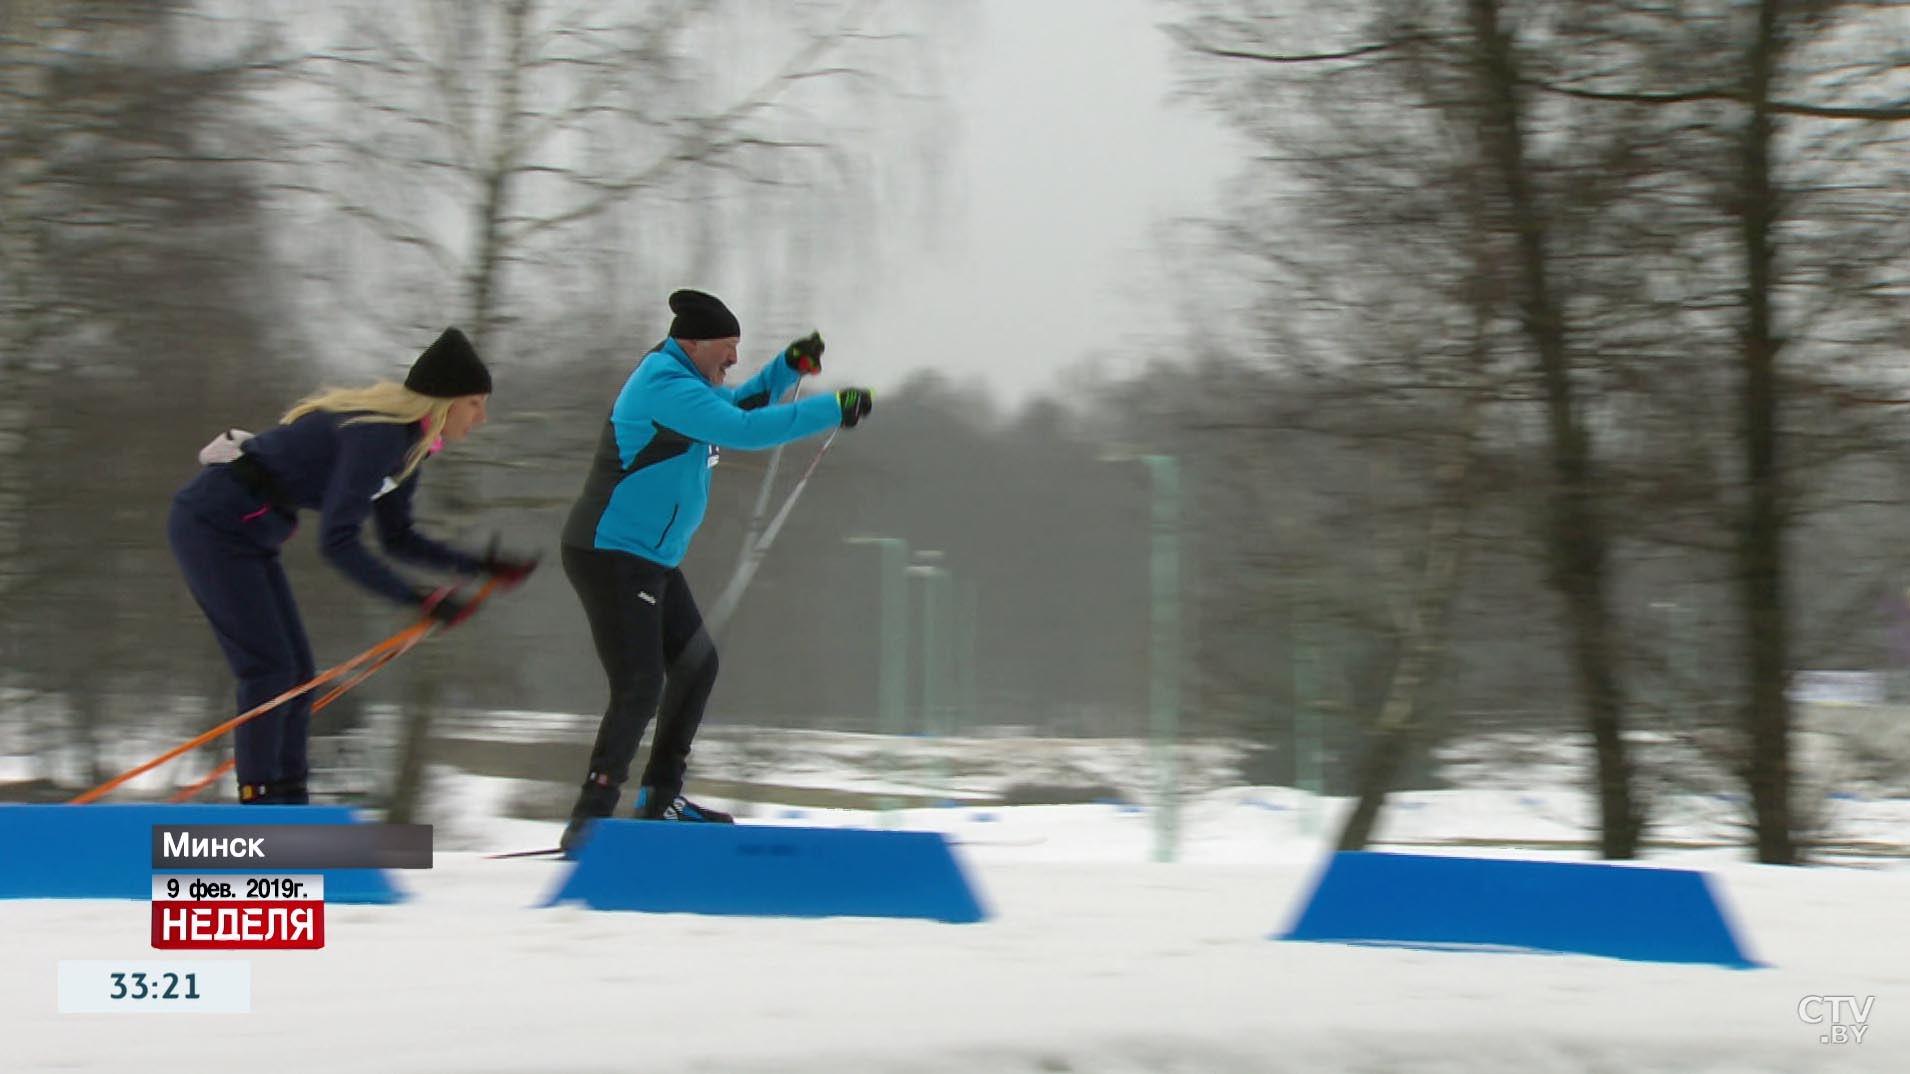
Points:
(1880, 113)
(1192, 42)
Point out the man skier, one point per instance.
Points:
(646, 493)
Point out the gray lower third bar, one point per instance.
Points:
(291, 846)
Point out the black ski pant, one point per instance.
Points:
(659, 660)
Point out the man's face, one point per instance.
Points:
(712, 357)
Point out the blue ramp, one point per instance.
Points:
(1617, 911)
(769, 871)
(102, 851)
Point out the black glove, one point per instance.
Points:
(856, 404)
(805, 355)
(444, 605)
(509, 570)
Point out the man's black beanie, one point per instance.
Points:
(701, 316)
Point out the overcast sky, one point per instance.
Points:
(1067, 160)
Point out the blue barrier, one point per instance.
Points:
(769, 871)
(1618, 911)
(104, 851)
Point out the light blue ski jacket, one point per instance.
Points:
(649, 482)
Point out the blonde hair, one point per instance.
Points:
(384, 403)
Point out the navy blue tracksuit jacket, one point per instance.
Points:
(226, 527)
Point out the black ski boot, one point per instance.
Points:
(597, 799)
(655, 805)
(288, 792)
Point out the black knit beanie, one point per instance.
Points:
(701, 316)
(450, 367)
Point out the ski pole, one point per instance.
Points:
(403, 639)
(776, 524)
(746, 570)
(754, 531)
(316, 681)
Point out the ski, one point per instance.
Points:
(544, 852)
(955, 840)
(1007, 841)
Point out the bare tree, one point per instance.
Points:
(1817, 295)
(1620, 229)
(1478, 228)
(1579, 545)
(131, 270)
(501, 158)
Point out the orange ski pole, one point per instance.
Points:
(316, 681)
(200, 784)
(399, 642)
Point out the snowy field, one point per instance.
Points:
(1097, 960)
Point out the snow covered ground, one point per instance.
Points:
(1097, 960)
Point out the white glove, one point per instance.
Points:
(224, 447)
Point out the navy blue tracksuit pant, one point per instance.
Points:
(227, 541)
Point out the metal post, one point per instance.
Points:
(936, 636)
(895, 636)
(932, 642)
(970, 608)
(893, 672)
(892, 690)
(1166, 650)
(1307, 769)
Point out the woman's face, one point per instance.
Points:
(467, 412)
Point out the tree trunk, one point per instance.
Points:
(407, 800)
(1578, 545)
(1423, 636)
(453, 475)
(1760, 549)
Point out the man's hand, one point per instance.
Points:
(856, 404)
(805, 355)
